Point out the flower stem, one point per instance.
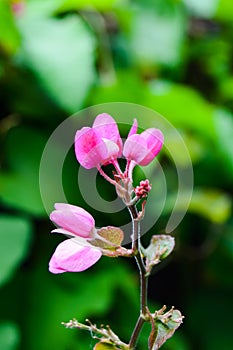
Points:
(117, 167)
(143, 278)
(113, 182)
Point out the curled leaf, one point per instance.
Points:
(108, 238)
(160, 247)
(164, 326)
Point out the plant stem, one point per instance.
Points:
(143, 279)
(135, 227)
(106, 176)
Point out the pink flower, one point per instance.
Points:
(75, 220)
(75, 254)
(143, 148)
(100, 144)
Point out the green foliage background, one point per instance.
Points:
(59, 56)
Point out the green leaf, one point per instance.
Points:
(9, 35)
(226, 87)
(9, 336)
(224, 10)
(171, 100)
(101, 5)
(195, 145)
(114, 92)
(165, 97)
(212, 204)
(27, 185)
(164, 327)
(61, 54)
(224, 129)
(105, 346)
(19, 186)
(160, 247)
(202, 8)
(151, 27)
(15, 237)
(42, 8)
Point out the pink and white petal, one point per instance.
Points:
(112, 150)
(63, 206)
(134, 128)
(63, 232)
(147, 159)
(154, 139)
(120, 147)
(106, 127)
(97, 155)
(73, 208)
(85, 141)
(78, 224)
(135, 148)
(72, 257)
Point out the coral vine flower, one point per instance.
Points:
(75, 254)
(73, 219)
(100, 144)
(143, 148)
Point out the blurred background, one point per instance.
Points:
(60, 56)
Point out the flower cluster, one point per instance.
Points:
(98, 146)
(101, 144)
(143, 189)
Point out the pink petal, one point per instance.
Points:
(154, 140)
(101, 154)
(89, 148)
(74, 208)
(134, 128)
(135, 148)
(73, 219)
(112, 149)
(106, 127)
(87, 139)
(69, 256)
(143, 148)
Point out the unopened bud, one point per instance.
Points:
(143, 189)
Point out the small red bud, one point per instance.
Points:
(143, 189)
